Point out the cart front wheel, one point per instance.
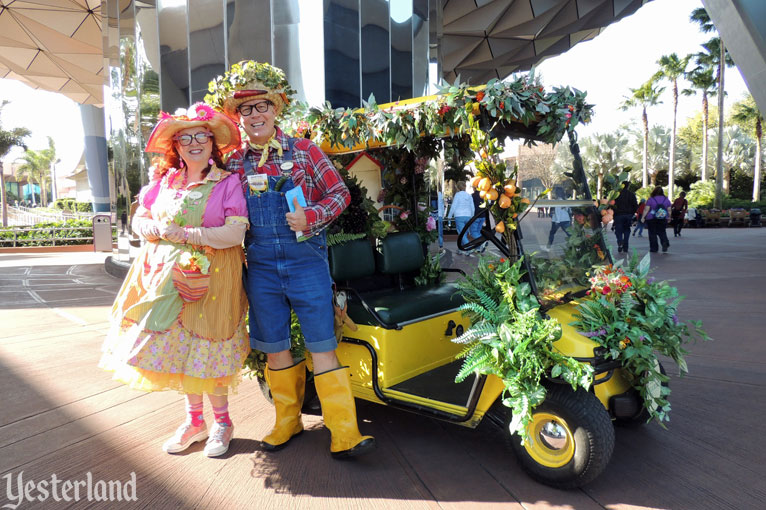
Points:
(571, 439)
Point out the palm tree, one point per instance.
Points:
(659, 145)
(603, 155)
(718, 57)
(702, 79)
(644, 96)
(671, 68)
(738, 152)
(35, 167)
(747, 112)
(8, 140)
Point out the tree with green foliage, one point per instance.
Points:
(603, 155)
(8, 140)
(715, 55)
(644, 96)
(738, 153)
(658, 142)
(747, 112)
(672, 67)
(702, 80)
(36, 168)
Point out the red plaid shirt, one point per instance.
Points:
(326, 193)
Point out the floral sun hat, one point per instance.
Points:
(249, 80)
(225, 131)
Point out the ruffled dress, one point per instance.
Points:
(157, 341)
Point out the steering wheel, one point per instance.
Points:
(487, 234)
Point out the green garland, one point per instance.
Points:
(548, 115)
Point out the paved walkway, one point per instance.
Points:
(61, 415)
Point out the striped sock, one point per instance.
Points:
(195, 413)
(222, 414)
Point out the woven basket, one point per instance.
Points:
(191, 285)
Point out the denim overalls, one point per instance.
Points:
(283, 273)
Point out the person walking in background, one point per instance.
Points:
(462, 210)
(680, 206)
(440, 218)
(178, 322)
(560, 219)
(639, 218)
(657, 216)
(476, 227)
(124, 221)
(625, 207)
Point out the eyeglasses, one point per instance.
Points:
(201, 138)
(260, 106)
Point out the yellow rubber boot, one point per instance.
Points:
(339, 412)
(287, 388)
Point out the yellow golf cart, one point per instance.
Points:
(402, 353)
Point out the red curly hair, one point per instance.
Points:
(172, 160)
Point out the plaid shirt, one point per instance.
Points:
(326, 193)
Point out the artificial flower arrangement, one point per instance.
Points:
(635, 318)
(195, 261)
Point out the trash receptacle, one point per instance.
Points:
(755, 217)
(102, 232)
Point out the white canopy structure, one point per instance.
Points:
(54, 45)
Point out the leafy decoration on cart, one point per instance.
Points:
(636, 318)
(509, 338)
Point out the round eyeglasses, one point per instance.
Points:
(260, 106)
(201, 138)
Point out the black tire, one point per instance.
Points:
(588, 439)
(310, 399)
(642, 418)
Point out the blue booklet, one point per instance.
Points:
(296, 192)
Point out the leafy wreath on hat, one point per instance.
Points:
(248, 75)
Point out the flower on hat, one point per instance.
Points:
(202, 111)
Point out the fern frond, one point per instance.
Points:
(477, 333)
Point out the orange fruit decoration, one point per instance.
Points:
(500, 227)
(483, 194)
(475, 181)
(485, 184)
(509, 190)
(492, 194)
(525, 201)
(504, 202)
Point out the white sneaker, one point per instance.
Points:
(186, 435)
(220, 437)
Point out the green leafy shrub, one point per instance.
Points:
(34, 236)
(701, 194)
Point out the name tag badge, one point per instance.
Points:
(286, 167)
(194, 195)
(258, 182)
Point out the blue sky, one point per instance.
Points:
(621, 57)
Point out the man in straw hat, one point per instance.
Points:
(287, 254)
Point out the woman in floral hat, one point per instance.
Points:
(287, 255)
(178, 321)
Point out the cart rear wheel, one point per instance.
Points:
(571, 439)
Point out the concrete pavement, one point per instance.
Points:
(61, 415)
